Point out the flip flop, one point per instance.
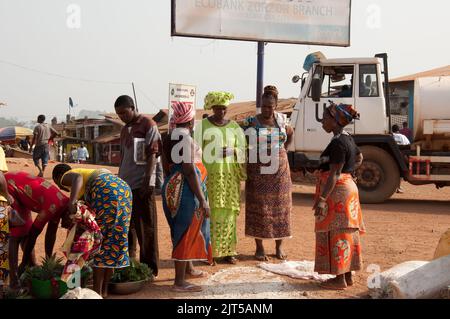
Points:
(208, 263)
(188, 288)
(199, 274)
(231, 260)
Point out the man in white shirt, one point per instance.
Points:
(400, 139)
(82, 153)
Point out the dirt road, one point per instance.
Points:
(407, 227)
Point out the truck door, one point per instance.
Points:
(370, 101)
(337, 86)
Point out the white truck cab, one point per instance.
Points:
(359, 82)
(364, 83)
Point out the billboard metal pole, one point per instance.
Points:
(135, 99)
(260, 76)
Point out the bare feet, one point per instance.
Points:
(337, 283)
(279, 250)
(349, 279)
(260, 254)
(281, 255)
(262, 257)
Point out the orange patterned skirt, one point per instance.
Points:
(338, 245)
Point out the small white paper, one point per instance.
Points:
(140, 156)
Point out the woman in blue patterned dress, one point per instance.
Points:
(185, 199)
(110, 199)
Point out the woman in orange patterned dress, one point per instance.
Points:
(337, 209)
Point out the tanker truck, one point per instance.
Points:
(364, 83)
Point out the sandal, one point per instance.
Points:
(188, 288)
(196, 274)
(231, 260)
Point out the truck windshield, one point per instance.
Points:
(337, 81)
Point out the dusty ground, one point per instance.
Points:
(407, 227)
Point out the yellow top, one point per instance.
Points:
(85, 173)
(3, 168)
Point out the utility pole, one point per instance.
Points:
(260, 76)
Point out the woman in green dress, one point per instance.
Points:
(223, 145)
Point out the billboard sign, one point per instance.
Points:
(316, 22)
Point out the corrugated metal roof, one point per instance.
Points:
(443, 71)
(107, 138)
(240, 111)
(114, 118)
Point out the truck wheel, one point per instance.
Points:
(378, 176)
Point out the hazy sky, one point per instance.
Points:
(124, 41)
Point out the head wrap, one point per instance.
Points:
(344, 114)
(83, 241)
(217, 98)
(183, 112)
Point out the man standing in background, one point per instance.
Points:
(41, 135)
(140, 145)
(406, 131)
(82, 153)
(401, 140)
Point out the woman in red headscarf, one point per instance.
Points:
(184, 198)
(337, 209)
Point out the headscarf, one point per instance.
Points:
(344, 114)
(217, 98)
(183, 112)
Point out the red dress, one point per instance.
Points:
(32, 193)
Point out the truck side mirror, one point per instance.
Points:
(316, 88)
